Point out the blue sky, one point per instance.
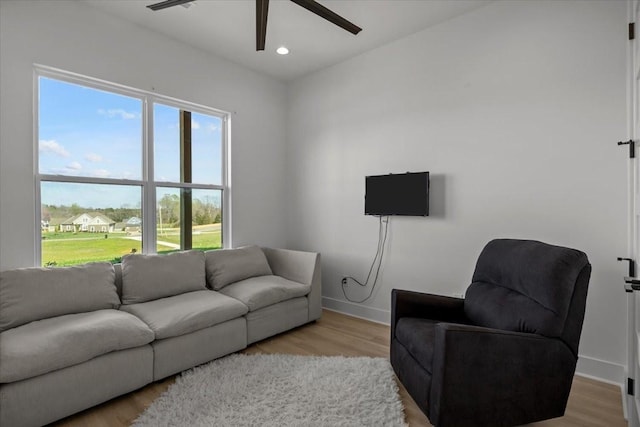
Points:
(89, 132)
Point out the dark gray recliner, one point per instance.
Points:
(506, 354)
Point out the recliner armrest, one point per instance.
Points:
(513, 376)
(428, 306)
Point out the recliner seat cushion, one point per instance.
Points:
(523, 286)
(28, 294)
(51, 344)
(149, 277)
(418, 338)
(259, 292)
(188, 312)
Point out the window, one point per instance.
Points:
(187, 217)
(123, 171)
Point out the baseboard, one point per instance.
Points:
(601, 370)
(589, 367)
(356, 310)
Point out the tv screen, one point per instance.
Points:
(397, 194)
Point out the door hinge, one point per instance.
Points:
(632, 30)
(630, 384)
(632, 147)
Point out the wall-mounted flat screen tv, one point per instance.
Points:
(397, 194)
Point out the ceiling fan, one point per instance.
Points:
(262, 8)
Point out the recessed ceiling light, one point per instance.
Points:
(282, 50)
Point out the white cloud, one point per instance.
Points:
(72, 169)
(93, 157)
(75, 166)
(51, 146)
(212, 128)
(101, 173)
(194, 124)
(117, 112)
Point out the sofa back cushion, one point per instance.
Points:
(524, 286)
(226, 266)
(149, 277)
(29, 294)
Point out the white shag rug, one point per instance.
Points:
(281, 390)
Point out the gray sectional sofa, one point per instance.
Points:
(74, 337)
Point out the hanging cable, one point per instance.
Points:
(382, 239)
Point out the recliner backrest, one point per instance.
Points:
(528, 286)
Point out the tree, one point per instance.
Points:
(46, 214)
(169, 209)
(75, 209)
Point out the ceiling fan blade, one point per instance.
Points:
(323, 12)
(167, 3)
(262, 9)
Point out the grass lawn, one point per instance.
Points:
(75, 236)
(68, 251)
(65, 249)
(210, 238)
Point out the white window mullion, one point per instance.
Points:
(149, 188)
(189, 185)
(89, 180)
(227, 241)
(36, 169)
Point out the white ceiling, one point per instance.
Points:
(227, 28)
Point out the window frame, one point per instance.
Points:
(147, 183)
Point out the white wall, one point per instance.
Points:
(76, 37)
(514, 109)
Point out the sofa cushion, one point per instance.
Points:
(258, 292)
(418, 337)
(149, 277)
(226, 266)
(188, 312)
(29, 294)
(51, 344)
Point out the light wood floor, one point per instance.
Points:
(591, 403)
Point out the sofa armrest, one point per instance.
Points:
(301, 267)
(482, 373)
(428, 306)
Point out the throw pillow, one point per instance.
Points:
(149, 277)
(226, 266)
(28, 294)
